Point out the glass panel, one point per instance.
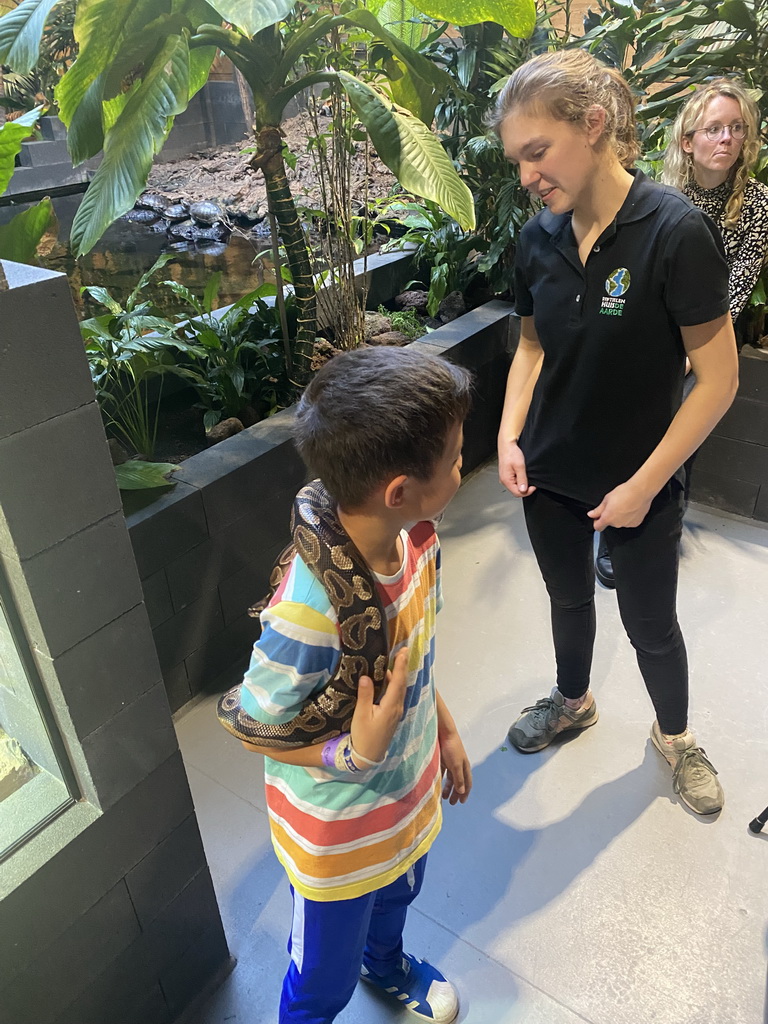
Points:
(32, 783)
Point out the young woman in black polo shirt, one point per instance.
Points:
(616, 280)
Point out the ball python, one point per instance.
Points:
(321, 541)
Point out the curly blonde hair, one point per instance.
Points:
(565, 85)
(678, 165)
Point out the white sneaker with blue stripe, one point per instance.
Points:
(420, 988)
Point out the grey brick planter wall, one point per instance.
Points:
(205, 550)
(731, 469)
(108, 913)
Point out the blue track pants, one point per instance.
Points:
(329, 940)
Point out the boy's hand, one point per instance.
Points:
(374, 725)
(457, 781)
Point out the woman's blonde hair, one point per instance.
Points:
(565, 85)
(678, 165)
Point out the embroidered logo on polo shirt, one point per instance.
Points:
(616, 286)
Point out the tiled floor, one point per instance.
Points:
(573, 886)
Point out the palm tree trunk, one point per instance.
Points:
(269, 160)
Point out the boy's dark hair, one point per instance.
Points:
(374, 413)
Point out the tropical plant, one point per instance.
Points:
(406, 321)
(57, 51)
(666, 48)
(443, 253)
(20, 238)
(127, 347)
(233, 360)
(479, 62)
(137, 68)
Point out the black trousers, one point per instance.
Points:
(645, 563)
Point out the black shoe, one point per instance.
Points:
(604, 566)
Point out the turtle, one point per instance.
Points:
(182, 229)
(207, 212)
(141, 215)
(152, 201)
(215, 233)
(178, 211)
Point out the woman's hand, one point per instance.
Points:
(512, 471)
(625, 505)
(374, 725)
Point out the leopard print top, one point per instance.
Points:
(747, 243)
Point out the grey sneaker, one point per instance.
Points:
(538, 725)
(693, 776)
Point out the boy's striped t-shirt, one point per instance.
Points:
(339, 836)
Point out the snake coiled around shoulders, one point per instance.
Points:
(321, 541)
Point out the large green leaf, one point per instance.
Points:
(85, 134)
(131, 144)
(12, 134)
(411, 151)
(200, 60)
(253, 15)
(417, 62)
(20, 33)
(138, 49)
(136, 475)
(20, 238)
(100, 29)
(414, 94)
(400, 18)
(518, 17)
(736, 12)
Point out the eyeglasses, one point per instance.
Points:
(714, 132)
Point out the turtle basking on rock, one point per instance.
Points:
(207, 213)
(176, 212)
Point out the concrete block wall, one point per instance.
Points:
(730, 471)
(213, 118)
(205, 550)
(108, 913)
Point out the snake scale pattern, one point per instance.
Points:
(321, 541)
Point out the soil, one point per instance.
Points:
(223, 174)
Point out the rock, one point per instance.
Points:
(15, 767)
(432, 323)
(322, 352)
(118, 453)
(389, 338)
(451, 308)
(414, 299)
(221, 431)
(375, 323)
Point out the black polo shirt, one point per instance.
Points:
(612, 376)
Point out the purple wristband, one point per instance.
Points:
(329, 750)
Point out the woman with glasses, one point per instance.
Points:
(713, 148)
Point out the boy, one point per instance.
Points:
(382, 428)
